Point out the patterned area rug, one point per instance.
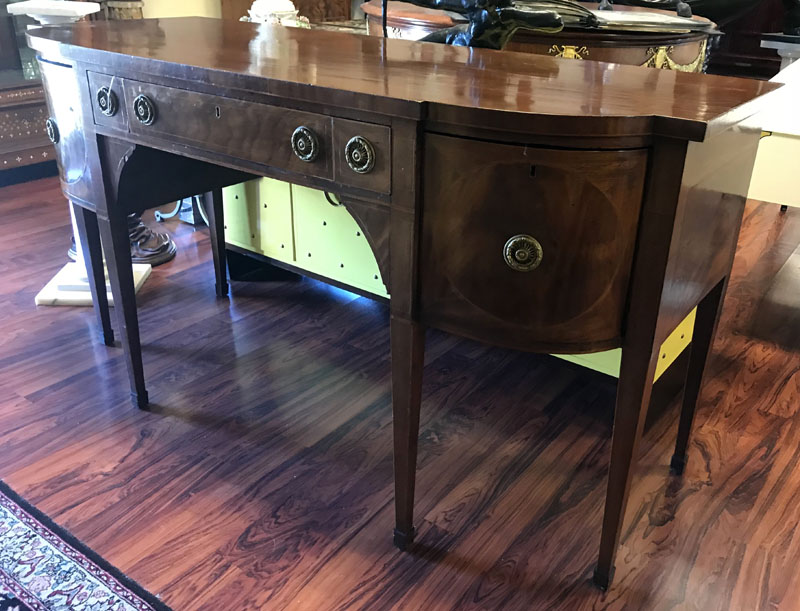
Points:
(43, 567)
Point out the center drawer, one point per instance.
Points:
(245, 130)
(351, 153)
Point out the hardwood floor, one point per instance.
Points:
(262, 479)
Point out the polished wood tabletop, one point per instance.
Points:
(455, 84)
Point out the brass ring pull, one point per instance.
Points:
(144, 110)
(52, 130)
(107, 101)
(305, 144)
(359, 154)
(522, 253)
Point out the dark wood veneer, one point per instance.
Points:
(632, 179)
(581, 206)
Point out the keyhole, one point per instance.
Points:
(217, 112)
(533, 171)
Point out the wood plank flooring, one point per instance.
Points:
(262, 478)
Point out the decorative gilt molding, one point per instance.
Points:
(659, 57)
(569, 51)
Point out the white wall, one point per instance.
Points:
(182, 8)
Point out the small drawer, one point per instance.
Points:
(529, 247)
(107, 93)
(363, 155)
(286, 139)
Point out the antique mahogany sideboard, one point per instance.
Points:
(526, 201)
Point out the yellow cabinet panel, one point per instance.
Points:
(242, 222)
(330, 243)
(608, 362)
(275, 213)
(258, 217)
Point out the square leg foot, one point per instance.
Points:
(603, 580)
(403, 539)
(677, 464)
(108, 338)
(141, 401)
(222, 291)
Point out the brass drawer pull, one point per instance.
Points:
(305, 144)
(359, 154)
(144, 110)
(522, 253)
(52, 130)
(107, 101)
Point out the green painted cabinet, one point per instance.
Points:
(330, 243)
(258, 217)
(299, 226)
(242, 227)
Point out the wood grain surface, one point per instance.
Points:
(456, 85)
(262, 479)
(582, 207)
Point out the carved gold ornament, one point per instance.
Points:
(659, 57)
(568, 51)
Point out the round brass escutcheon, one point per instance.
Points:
(305, 144)
(144, 109)
(107, 101)
(52, 130)
(522, 253)
(359, 154)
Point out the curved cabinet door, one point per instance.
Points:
(67, 126)
(528, 247)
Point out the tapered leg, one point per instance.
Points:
(633, 397)
(408, 353)
(89, 237)
(705, 327)
(216, 228)
(114, 232)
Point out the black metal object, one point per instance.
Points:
(144, 110)
(330, 199)
(718, 11)
(791, 24)
(305, 144)
(107, 101)
(492, 23)
(52, 130)
(359, 155)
